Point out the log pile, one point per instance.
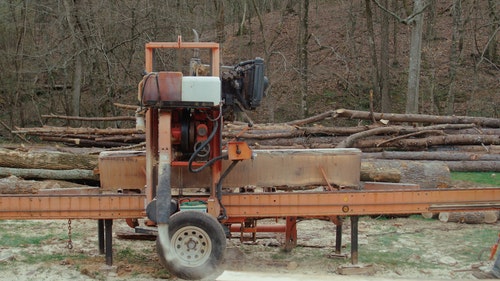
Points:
(86, 137)
(469, 217)
(463, 143)
(48, 164)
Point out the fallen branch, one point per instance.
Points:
(15, 134)
(79, 118)
(349, 141)
(436, 132)
(316, 118)
(418, 118)
(75, 131)
(434, 155)
(126, 106)
(432, 141)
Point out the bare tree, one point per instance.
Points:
(386, 104)
(373, 48)
(415, 57)
(492, 52)
(220, 22)
(71, 18)
(427, 99)
(303, 55)
(415, 20)
(455, 50)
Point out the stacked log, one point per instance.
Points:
(86, 137)
(45, 164)
(469, 217)
(461, 142)
(433, 174)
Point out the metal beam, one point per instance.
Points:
(353, 202)
(72, 206)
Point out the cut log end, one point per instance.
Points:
(469, 217)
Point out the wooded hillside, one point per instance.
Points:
(79, 57)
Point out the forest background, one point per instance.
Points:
(78, 57)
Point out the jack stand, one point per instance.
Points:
(338, 238)
(105, 238)
(100, 235)
(354, 239)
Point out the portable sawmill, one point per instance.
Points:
(196, 188)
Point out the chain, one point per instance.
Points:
(70, 243)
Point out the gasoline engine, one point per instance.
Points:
(198, 103)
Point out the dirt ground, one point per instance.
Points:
(404, 247)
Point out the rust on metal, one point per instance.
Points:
(101, 206)
(314, 204)
(238, 150)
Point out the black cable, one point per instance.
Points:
(197, 151)
(219, 189)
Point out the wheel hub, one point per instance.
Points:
(191, 245)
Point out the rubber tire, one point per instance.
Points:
(216, 237)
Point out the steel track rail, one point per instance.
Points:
(348, 203)
(97, 206)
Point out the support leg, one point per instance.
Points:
(108, 228)
(100, 235)
(338, 238)
(354, 239)
(291, 233)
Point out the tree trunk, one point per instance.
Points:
(474, 166)
(430, 215)
(415, 57)
(373, 48)
(15, 185)
(303, 57)
(454, 53)
(370, 171)
(429, 141)
(426, 174)
(435, 155)
(386, 103)
(75, 174)
(53, 160)
(220, 24)
(469, 217)
(492, 52)
(418, 118)
(78, 67)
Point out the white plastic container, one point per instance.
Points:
(201, 89)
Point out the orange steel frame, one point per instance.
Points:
(158, 127)
(258, 205)
(353, 202)
(97, 206)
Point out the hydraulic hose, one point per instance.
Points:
(201, 147)
(219, 189)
